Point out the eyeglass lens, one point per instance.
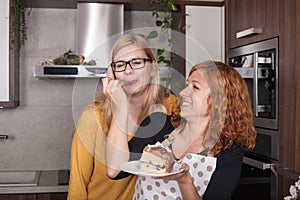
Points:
(136, 63)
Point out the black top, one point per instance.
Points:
(227, 174)
(152, 129)
(229, 162)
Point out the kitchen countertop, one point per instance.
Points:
(55, 181)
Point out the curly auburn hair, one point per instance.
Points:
(231, 112)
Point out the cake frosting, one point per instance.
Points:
(157, 159)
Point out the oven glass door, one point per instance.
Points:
(265, 86)
(266, 144)
(258, 65)
(257, 180)
(259, 170)
(254, 183)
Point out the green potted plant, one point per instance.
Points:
(20, 8)
(165, 22)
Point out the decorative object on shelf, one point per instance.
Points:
(68, 59)
(19, 12)
(294, 191)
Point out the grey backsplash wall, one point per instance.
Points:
(40, 130)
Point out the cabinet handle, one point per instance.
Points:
(248, 32)
(3, 137)
(257, 164)
(255, 84)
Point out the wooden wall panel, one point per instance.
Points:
(297, 110)
(289, 96)
(287, 85)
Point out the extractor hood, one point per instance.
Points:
(69, 71)
(98, 27)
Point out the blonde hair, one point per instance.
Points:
(155, 94)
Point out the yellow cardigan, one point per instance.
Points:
(88, 180)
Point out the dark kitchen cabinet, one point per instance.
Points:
(278, 18)
(53, 196)
(289, 93)
(50, 196)
(249, 21)
(17, 197)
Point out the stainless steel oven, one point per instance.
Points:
(258, 65)
(259, 171)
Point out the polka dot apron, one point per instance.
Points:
(201, 170)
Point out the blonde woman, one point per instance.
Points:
(131, 97)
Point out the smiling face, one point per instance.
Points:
(195, 98)
(135, 80)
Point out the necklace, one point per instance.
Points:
(169, 139)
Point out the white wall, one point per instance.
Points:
(40, 130)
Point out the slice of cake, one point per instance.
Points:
(157, 159)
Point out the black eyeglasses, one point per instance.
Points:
(136, 63)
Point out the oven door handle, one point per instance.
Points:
(256, 163)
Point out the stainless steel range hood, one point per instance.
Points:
(98, 27)
(97, 24)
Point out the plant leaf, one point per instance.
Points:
(179, 85)
(171, 42)
(155, 12)
(168, 81)
(167, 62)
(158, 23)
(160, 52)
(160, 59)
(152, 34)
(173, 7)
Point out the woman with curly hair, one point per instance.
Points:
(217, 128)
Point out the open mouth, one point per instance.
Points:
(129, 82)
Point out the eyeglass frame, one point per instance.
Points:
(128, 63)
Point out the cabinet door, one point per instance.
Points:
(249, 21)
(50, 196)
(9, 62)
(17, 197)
(204, 34)
(240, 15)
(4, 51)
(53, 196)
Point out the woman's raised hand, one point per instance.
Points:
(113, 90)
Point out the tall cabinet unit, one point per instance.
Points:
(289, 95)
(250, 21)
(9, 59)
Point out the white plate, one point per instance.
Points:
(133, 168)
